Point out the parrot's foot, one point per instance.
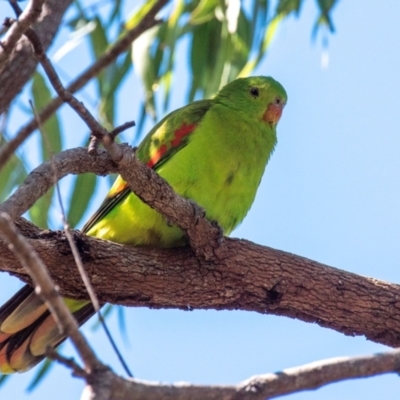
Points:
(198, 211)
(220, 234)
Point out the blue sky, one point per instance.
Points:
(331, 193)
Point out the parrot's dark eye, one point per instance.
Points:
(254, 92)
(278, 101)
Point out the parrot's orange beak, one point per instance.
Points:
(273, 113)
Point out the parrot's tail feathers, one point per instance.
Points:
(27, 329)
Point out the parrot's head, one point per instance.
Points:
(261, 97)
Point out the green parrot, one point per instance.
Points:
(211, 151)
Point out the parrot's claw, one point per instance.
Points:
(220, 237)
(198, 211)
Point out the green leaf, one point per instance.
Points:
(106, 105)
(204, 12)
(82, 193)
(99, 42)
(286, 7)
(99, 39)
(115, 13)
(116, 74)
(15, 172)
(120, 72)
(3, 378)
(51, 143)
(39, 212)
(204, 56)
(264, 45)
(139, 14)
(325, 7)
(51, 128)
(147, 65)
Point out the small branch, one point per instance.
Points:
(307, 377)
(67, 362)
(45, 288)
(41, 179)
(25, 20)
(147, 22)
(318, 374)
(122, 128)
(64, 94)
(78, 260)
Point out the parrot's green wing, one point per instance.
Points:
(167, 137)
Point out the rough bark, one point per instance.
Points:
(22, 63)
(250, 277)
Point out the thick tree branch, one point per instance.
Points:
(104, 384)
(21, 60)
(250, 277)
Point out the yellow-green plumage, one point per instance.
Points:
(211, 151)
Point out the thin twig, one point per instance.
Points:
(46, 289)
(147, 22)
(64, 94)
(75, 251)
(68, 362)
(122, 128)
(15, 6)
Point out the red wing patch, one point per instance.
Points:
(157, 156)
(179, 134)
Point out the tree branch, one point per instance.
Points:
(22, 59)
(102, 383)
(251, 278)
(42, 178)
(25, 20)
(305, 377)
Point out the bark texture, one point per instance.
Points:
(250, 277)
(22, 63)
